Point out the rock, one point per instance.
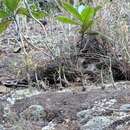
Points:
(8, 115)
(1, 127)
(4, 89)
(97, 123)
(21, 94)
(84, 116)
(125, 108)
(83, 113)
(50, 126)
(14, 83)
(34, 112)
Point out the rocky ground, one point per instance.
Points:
(23, 108)
(67, 110)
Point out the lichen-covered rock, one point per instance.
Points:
(21, 94)
(34, 112)
(84, 116)
(9, 115)
(97, 123)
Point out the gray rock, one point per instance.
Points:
(9, 115)
(97, 123)
(85, 119)
(50, 126)
(1, 127)
(83, 113)
(34, 112)
(84, 116)
(21, 94)
(125, 107)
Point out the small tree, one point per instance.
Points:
(83, 16)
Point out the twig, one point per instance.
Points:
(110, 68)
(29, 10)
(36, 48)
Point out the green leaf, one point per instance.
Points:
(23, 11)
(4, 25)
(33, 7)
(3, 14)
(11, 4)
(38, 14)
(87, 14)
(67, 20)
(87, 26)
(73, 11)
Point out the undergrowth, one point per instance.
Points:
(109, 46)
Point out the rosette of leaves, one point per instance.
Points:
(12, 8)
(84, 18)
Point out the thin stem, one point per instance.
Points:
(43, 27)
(23, 47)
(20, 36)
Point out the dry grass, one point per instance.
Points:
(113, 21)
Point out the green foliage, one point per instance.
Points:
(4, 25)
(67, 20)
(36, 14)
(11, 4)
(3, 14)
(12, 8)
(85, 19)
(73, 11)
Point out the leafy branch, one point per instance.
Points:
(83, 18)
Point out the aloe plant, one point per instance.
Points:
(81, 15)
(12, 8)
